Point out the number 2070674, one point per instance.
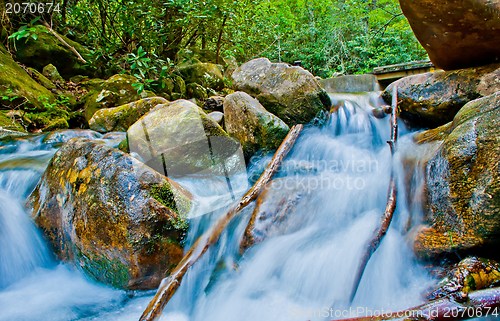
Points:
(31, 7)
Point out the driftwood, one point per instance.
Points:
(475, 304)
(170, 284)
(71, 48)
(391, 202)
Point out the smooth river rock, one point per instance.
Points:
(289, 92)
(456, 33)
(114, 217)
(252, 125)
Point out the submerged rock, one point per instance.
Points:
(289, 92)
(275, 212)
(115, 91)
(463, 183)
(252, 125)
(114, 217)
(178, 138)
(456, 33)
(433, 99)
(122, 117)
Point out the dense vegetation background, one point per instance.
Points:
(328, 36)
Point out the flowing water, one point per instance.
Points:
(304, 271)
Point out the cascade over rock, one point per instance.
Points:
(463, 182)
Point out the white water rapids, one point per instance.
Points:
(304, 272)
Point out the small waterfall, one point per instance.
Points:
(303, 271)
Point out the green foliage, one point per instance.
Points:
(27, 31)
(328, 36)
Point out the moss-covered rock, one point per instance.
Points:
(179, 87)
(206, 74)
(115, 91)
(9, 123)
(463, 183)
(47, 49)
(122, 117)
(252, 125)
(17, 88)
(470, 274)
(196, 91)
(41, 79)
(115, 218)
(290, 92)
(433, 99)
(178, 138)
(50, 71)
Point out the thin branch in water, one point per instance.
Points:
(170, 284)
(390, 206)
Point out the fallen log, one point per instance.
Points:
(170, 284)
(476, 304)
(391, 202)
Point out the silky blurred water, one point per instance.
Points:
(304, 271)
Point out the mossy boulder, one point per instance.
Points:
(290, 92)
(17, 87)
(179, 139)
(9, 123)
(50, 71)
(41, 79)
(47, 49)
(112, 216)
(206, 74)
(122, 117)
(252, 125)
(196, 91)
(115, 91)
(463, 183)
(433, 99)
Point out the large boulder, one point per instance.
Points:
(17, 88)
(47, 49)
(114, 217)
(433, 99)
(463, 183)
(206, 74)
(122, 117)
(115, 91)
(252, 125)
(179, 139)
(456, 33)
(290, 92)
